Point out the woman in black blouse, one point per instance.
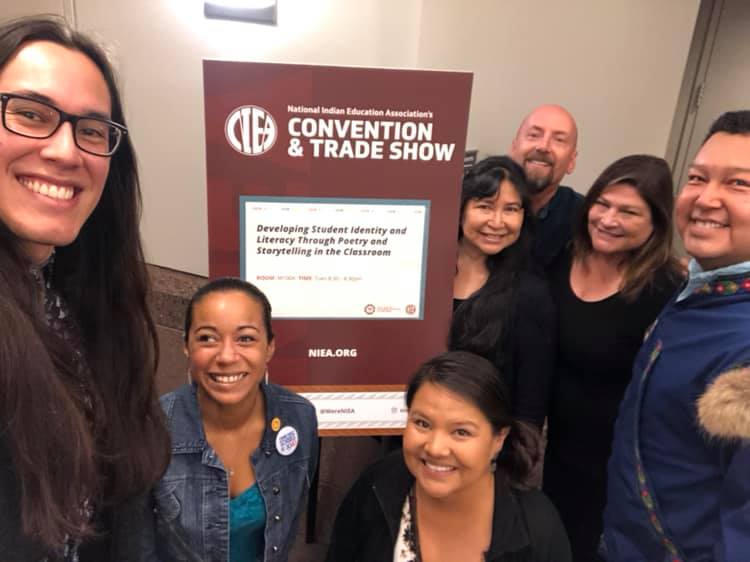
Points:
(459, 489)
(615, 280)
(502, 311)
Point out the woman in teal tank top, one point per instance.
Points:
(247, 519)
(243, 451)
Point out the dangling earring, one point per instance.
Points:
(493, 464)
(187, 356)
(266, 376)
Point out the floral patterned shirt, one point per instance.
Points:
(61, 323)
(407, 546)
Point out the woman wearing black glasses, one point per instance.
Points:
(80, 430)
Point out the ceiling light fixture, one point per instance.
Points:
(254, 11)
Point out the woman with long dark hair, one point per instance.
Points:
(460, 488)
(81, 432)
(609, 288)
(502, 310)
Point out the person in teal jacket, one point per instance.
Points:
(679, 475)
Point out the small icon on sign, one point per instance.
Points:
(250, 130)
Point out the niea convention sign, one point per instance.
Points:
(336, 191)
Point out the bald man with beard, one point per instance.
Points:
(545, 145)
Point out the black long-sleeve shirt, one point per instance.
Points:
(526, 356)
(597, 344)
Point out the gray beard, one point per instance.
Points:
(537, 185)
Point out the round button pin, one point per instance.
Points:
(287, 440)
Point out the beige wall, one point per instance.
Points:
(17, 8)
(160, 44)
(617, 64)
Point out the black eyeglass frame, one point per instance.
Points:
(65, 117)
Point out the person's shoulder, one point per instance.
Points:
(546, 531)
(387, 476)
(535, 502)
(288, 397)
(182, 413)
(176, 398)
(391, 468)
(570, 194)
(667, 280)
(540, 513)
(292, 408)
(656, 294)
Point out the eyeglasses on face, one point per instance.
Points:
(35, 119)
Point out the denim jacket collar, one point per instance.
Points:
(188, 434)
(187, 431)
(192, 498)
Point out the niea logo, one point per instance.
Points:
(250, 130)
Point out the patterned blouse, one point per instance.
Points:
(58, 318)
(407, 540)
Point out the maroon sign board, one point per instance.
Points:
(336, 191)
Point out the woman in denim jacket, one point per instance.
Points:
(243, 451)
